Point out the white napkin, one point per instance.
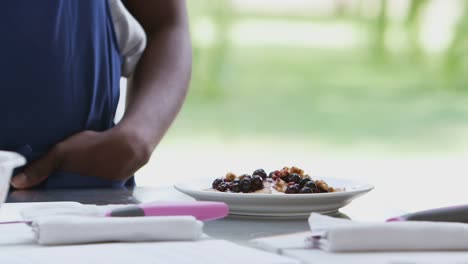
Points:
(338, 235)
(67, 229)
(75, 223)
(65, 208)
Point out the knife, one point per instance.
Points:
(444, 214)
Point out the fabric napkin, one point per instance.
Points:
(340, 235)
(65, 208)
(66, 229)
(75, 223)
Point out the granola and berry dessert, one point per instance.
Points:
(287, 180)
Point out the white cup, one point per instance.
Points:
(8, 162)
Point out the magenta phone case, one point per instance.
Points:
(201, 210)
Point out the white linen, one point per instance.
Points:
(75, 223)
(188, 252)
(294, 246)
(18, 246)
(339, 235)
(69, 229)
(278, 244)
(65, 208)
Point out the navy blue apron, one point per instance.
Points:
(59, 75)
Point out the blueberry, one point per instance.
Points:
(295, 177)
(257, 183)
(304, 181)
(235, 186)
(311, 185)
(271, 174)
(305, 190)
(245, 185)
(286, 178)
(292, 189)
(222, 187)
(245, 177)
(261, 173)
(216, 183)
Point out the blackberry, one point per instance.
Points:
(275, 174)
(292, 189)
(257, 183)
(286, 178)
(305, 190)
(216, 183)
(235, 186)
(295, 177)
(222, 187)
(245, 185)
(261, 173)
(311, 185)
(245, 177)
(304, 181)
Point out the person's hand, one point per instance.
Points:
(111, 155)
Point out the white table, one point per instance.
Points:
(239, 230)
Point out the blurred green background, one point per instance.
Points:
(373, 90)
(268, 70)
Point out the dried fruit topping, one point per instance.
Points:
(230, 176)
(296, 170)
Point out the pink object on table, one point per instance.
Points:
(396, 219)
(201, 210)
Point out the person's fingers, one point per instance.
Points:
(37, 171)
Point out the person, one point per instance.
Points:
(59, 90)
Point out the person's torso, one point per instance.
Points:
(59, 75)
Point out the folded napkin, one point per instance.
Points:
(75, 223)
(66, 229)
(338, 235)
(65, 208)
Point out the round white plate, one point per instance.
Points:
(279, 205)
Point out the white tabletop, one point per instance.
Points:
(237, 230)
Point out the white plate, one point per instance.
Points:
(279, 205)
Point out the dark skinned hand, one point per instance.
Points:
(110, 155)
